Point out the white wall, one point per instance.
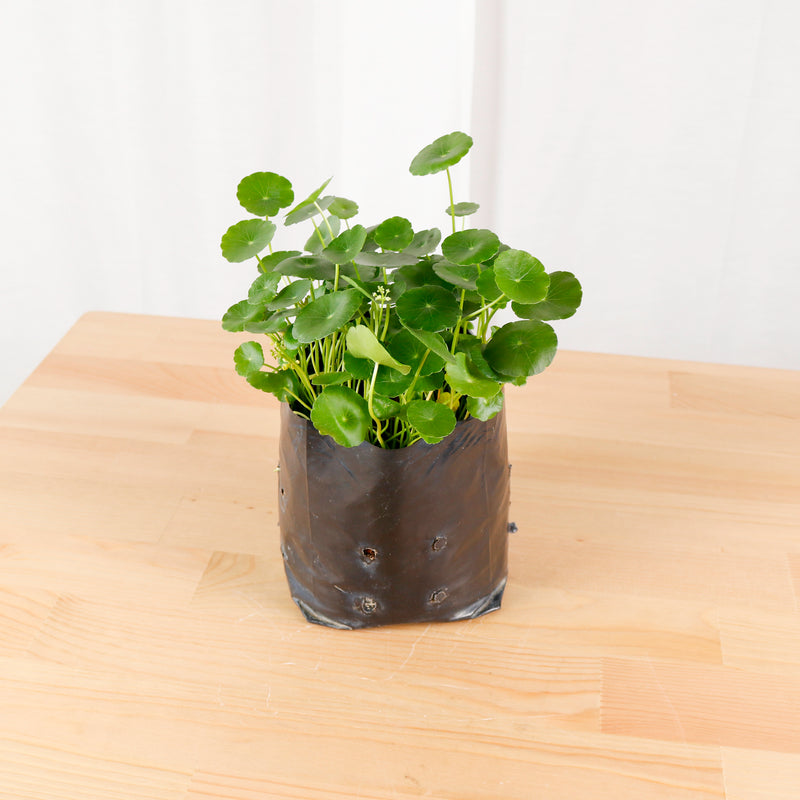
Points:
(654, 149)
(650, 147)
(127, 125)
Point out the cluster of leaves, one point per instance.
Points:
(374, 334)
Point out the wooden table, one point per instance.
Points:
(648, 645)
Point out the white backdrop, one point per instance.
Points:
(649, 147)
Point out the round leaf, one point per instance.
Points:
(564, 295)
(307, 209)
(263, 288)
(248, 358)
(391, 383)
(394, 233)
(330, 378)
(484, 408)
(282, 383)
(264, 193)
(290, 295)
(408, 349)
(520, 276)
(424, 242)
(461, 209)
(342, 414)
(362, 343)
(239, 314)
(346, 246)
(471, 246)
(385, 407)
(314, 267)
(487, 286)
(271, 324)
(326, 314)
(434, 343)
(464, 276)
(433, 421)
(360, 368)
(386, 260)
(523, 348)
(307, 203)
(269, 262)
(246, 239)
(428, 308)
(343, 208)
(313, 243)
(441, 154)
(465, 379)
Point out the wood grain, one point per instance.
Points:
(648, 645)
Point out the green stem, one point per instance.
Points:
(319, 235)
(369, 405)
(457, 328)
(452, 205)
(410, 389)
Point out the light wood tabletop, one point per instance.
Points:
(648, 645)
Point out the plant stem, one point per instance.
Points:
(369, 404)
(457, 328)
(452, 206)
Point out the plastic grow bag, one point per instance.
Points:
(374, 537)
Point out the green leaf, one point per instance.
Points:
(315, 267)
(391, 383)
(430, 383)
(246, 239)
(464, 276)
(269, 262)
(484, 408)
(421, 274)
(263, 288)
(306, 209)
(424, 242)
(471, 246)
(346, 246)
(330, 378)
(487, 286)
(343, 208)
(386, 260)
(408, 349)
(520, 276)
(313, 243)
(433, 421)
(465, 379)
(342, 414)
(248, 358)
(394, 233)
(264, 193)
(473, 347)
(428, 308)
(462, 209)
(239, 314)
(441, 154)
(434, 343)
(360, 368)
(385, 407)
(362, 343)
(282, 383)
(290, 295)
(564, 295)
(271, 324)
(521, 348)
(326, 314)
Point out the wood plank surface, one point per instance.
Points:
(648, 645)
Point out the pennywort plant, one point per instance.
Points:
(377, 333)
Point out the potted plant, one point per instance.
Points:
(383, 349)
